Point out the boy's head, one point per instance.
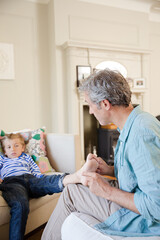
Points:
(13, 145)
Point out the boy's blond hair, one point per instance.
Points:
(12, 136)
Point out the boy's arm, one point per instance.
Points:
(0, 169)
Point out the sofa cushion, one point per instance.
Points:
(35, 147)
(36, 142)
(4, 210)
(34, 204)
(44, 165)
(2, 133)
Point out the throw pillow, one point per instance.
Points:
(2, 133)
(44, 164)
(35, 147)
(36, 143)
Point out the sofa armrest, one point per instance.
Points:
(64, 152)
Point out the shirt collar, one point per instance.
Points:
(128, 124)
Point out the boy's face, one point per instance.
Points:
(13, 148)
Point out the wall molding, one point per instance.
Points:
(39, 1)
(100, 46)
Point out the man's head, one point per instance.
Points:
(13, 145)
(107, 84)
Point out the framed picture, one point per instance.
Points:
(82, 73)
(130, 82)
(139, 83)
(6, 62)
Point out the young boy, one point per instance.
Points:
(22, 179)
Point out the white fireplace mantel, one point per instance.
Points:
(135, 60)
(100, 46)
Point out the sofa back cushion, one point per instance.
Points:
(35, 147)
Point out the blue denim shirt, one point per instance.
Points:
(137, 168)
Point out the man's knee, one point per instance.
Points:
(72, 190)
(68, 191)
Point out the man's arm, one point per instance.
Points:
(100, 186)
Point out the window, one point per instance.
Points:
(113, 66)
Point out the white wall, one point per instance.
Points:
(39, 94)
(154, 39)
(102, 25)
(25, 101)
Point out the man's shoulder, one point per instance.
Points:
(145, 126)
(146, 121)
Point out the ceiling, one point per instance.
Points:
(137, 5)
(152, 7)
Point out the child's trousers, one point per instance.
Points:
(18, 189)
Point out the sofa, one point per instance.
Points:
(63, 152)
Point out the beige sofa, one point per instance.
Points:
(63, 151)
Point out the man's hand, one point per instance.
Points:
(97, 184)
(104, 168)
(1, 180)
(100, 187)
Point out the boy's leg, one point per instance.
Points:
(17, 198)
(77, 198)
(49, 184)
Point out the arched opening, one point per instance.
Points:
(113, 66)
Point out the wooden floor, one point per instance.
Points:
(36, 234)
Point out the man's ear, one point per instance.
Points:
(106, 104)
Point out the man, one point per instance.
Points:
(133, 209)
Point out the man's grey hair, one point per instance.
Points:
(107, 84)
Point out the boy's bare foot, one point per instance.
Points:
(90, 165)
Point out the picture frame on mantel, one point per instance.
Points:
(139, 83)
(82, 72)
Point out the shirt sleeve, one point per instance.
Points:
(34, 169)
(1, 160)
(146, 165)
(0, 165)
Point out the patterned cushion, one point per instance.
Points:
(36, 142)
(2, 133)
(35, 147)
(44, 165)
